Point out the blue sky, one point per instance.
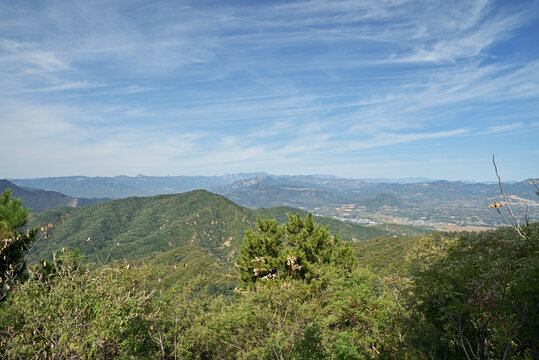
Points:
(381, 88)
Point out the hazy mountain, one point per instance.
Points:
(421, 203)
(433, 203)
(122, 186)
(38, 200)
(272, 192)
(154, 185)
(433, 192)
(409, 180)
(81, 186)
(411, 189)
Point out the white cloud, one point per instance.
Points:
(468, 43)
(388, 139)
(34, 60)
(94, 85)
(502, 128)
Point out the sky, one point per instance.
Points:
(358, 89)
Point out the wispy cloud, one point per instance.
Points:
(193, 87)
(503, 128)
(34, 60)
(387, 139)
(469, 42)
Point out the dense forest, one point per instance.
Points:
(300, 293)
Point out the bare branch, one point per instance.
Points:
(516, 225)
(95, 250)
(110, 252)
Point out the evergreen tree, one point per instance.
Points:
(260, 251)
(292, 250)
(309, 246)
(14, 241)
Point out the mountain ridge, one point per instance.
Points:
(144, 227)
(38, 200)
(433, 203)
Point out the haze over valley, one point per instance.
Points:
(434, 204)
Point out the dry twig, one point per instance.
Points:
(497, 205)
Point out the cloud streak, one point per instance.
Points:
(209, 88)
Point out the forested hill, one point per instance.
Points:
(38, 200)
(148, 227)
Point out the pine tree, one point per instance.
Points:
(293, 250)
(13, 240)
(260, 251)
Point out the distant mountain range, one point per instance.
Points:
(124, 186)
(353, 190)
(119, 187)
(429, 203)
(38, 200)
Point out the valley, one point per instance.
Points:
(433, 204)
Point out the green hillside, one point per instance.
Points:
(196, 231)
(405, 231)
(147, 226)
(385, 256)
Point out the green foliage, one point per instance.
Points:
(14, 240)
(389, 256)
(12, 214)
(116, 311)
(292, 250)
(477, 295)
(77, 312)
(261, 251)
(70, 309)
(344, 315)
(309, 345)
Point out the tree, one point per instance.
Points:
(292, 250)
(14, 240)
(260, 251)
